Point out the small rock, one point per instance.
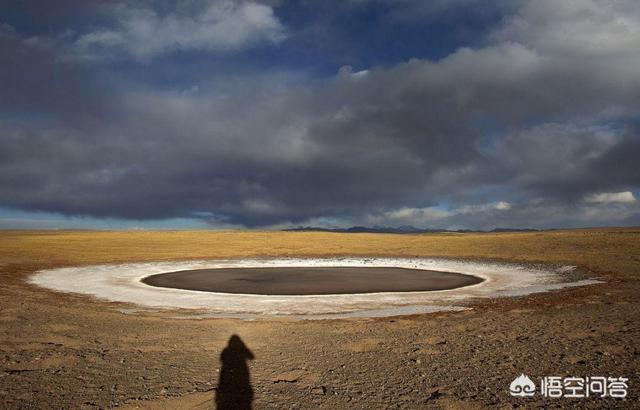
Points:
(576, 360)
(319, 390)
(436, 340)
(435, 392)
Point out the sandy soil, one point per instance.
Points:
(310, 280)
(70, 351)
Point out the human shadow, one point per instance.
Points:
(234, 386)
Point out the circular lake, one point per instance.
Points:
(311, 280)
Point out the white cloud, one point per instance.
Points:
(474, 209)
(427, 215)
(502, 206)
(575, 27)
(222, 25)
(604, 209)
(418, 214)
(611, 197)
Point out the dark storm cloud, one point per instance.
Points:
(580, 161)
(541, 118)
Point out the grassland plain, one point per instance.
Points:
(71, 351)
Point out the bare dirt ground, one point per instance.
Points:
(71, 351)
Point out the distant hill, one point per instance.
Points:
(398, 230)
(514, 230)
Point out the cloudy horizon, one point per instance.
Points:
(451, 114)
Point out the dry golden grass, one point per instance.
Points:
(606, 250)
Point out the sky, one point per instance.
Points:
(222, 114)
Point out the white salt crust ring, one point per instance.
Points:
(122, 283)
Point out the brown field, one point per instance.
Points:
(61, 350)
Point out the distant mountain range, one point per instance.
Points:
(399, 229)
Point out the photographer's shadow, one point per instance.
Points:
(234, 386)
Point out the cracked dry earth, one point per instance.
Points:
(70, 351)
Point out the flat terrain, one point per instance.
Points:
(70, 351)
(310, 281)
